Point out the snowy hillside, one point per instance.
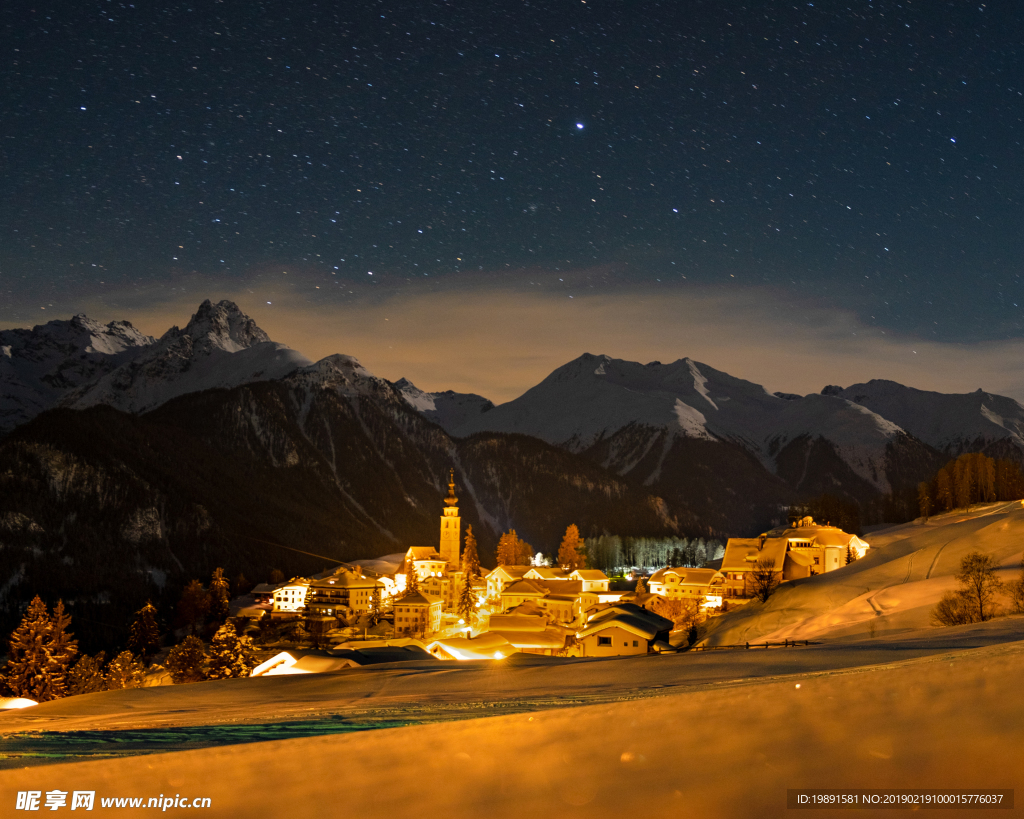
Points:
(593, 398)
(951, 423)
(39, 366)
(894, 588)
(220, 347)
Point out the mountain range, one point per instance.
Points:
(129, 465)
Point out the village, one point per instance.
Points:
(437, 602)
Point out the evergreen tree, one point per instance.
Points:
(220, 596)
(569, 557)
(276, 577)
(86, 675)
(144, 637)
(641, 587)
(194, 606)
(470, 557)
(507, 548)
(230, 655)
(375, 606)
(467, 602)
(125, 671)
(242, 584)
(851, 555)
(186, 662)
(943, 490)
(40, 654)
(412, 579)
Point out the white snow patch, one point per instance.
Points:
(700, 383)
(691, 422)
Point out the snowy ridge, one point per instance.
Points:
(593, 398)
(951, 423)
(40, 366)
(447, 409)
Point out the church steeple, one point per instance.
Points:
(451, 525)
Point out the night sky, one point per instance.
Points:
(858, 165)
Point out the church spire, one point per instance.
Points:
(451, 500)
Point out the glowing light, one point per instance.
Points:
(498, 655)
(579, 126)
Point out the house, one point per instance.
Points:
(263, 594)
(347, 589)
(321, 662)
(565, 601)
(499, 578)
(802, 549)
(623, 629)
(593, 580)
(704, 585)
(291, 596)
(418, 613)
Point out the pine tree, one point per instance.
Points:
(412, 580)
(242, 584)
(569, 557)
(41, 651)
(194, 606)
(375, 606)
(125, 671)
(507, 548)
(641, 587)
(220, 596)
(186, 661)
(144, 637)
(467, 602)
(63, 649)
(230, 655)
(276, 577)
(86, 675)
(851, 555)
(470, 557)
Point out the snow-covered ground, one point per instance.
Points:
(949, 720)
(893, 589)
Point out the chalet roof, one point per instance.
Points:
(631, 623)
(418, 598)
(742, 553)
(511, 572)
(347, 580)
(423, 553)
(266, 588)
(528, 588)
(800, 557)
(546, 573)
(588, 574)
(631, 610)
(688, 576)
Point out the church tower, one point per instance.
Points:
(451, 525)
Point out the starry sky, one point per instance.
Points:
(789, 191)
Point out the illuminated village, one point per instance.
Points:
(440, 602)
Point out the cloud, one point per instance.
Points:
(476, 335)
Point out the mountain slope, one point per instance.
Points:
(628, 414)
(952, 423)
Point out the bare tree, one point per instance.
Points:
(764, 580)
(979, 584)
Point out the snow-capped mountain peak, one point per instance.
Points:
(221, 347)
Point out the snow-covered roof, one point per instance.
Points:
(588, 574)
(418, 598)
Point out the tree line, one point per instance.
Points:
(970, 479)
